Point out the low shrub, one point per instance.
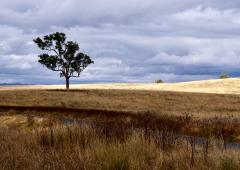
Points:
(224, 76)
(159, 81)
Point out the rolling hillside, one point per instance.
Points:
(220, 86)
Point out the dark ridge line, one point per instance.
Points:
(68, 110)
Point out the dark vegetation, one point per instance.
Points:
(224, 76)
(62, 56)
(159, 81)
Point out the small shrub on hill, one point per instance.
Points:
(159, 81)
(224, 76)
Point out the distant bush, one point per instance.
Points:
(224, 76)
(159, 81)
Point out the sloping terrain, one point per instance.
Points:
(220, 86)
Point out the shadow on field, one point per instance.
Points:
(68, 110)
(70, 90)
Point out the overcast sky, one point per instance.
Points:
(129, 40)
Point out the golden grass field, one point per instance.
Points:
(219, 86)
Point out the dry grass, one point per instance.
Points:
(219, 86)
(98, 145)
(173, 103)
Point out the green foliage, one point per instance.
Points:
(62, 55)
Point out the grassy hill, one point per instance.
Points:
(219, 86)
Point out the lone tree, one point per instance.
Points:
(62, 56)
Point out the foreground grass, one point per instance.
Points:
(28, 141)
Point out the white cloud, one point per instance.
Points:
(210, 14)
(21, 62)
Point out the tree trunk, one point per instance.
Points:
(67, 83)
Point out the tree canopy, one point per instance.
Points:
(63, 56)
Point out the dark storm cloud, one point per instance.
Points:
(134, 40)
